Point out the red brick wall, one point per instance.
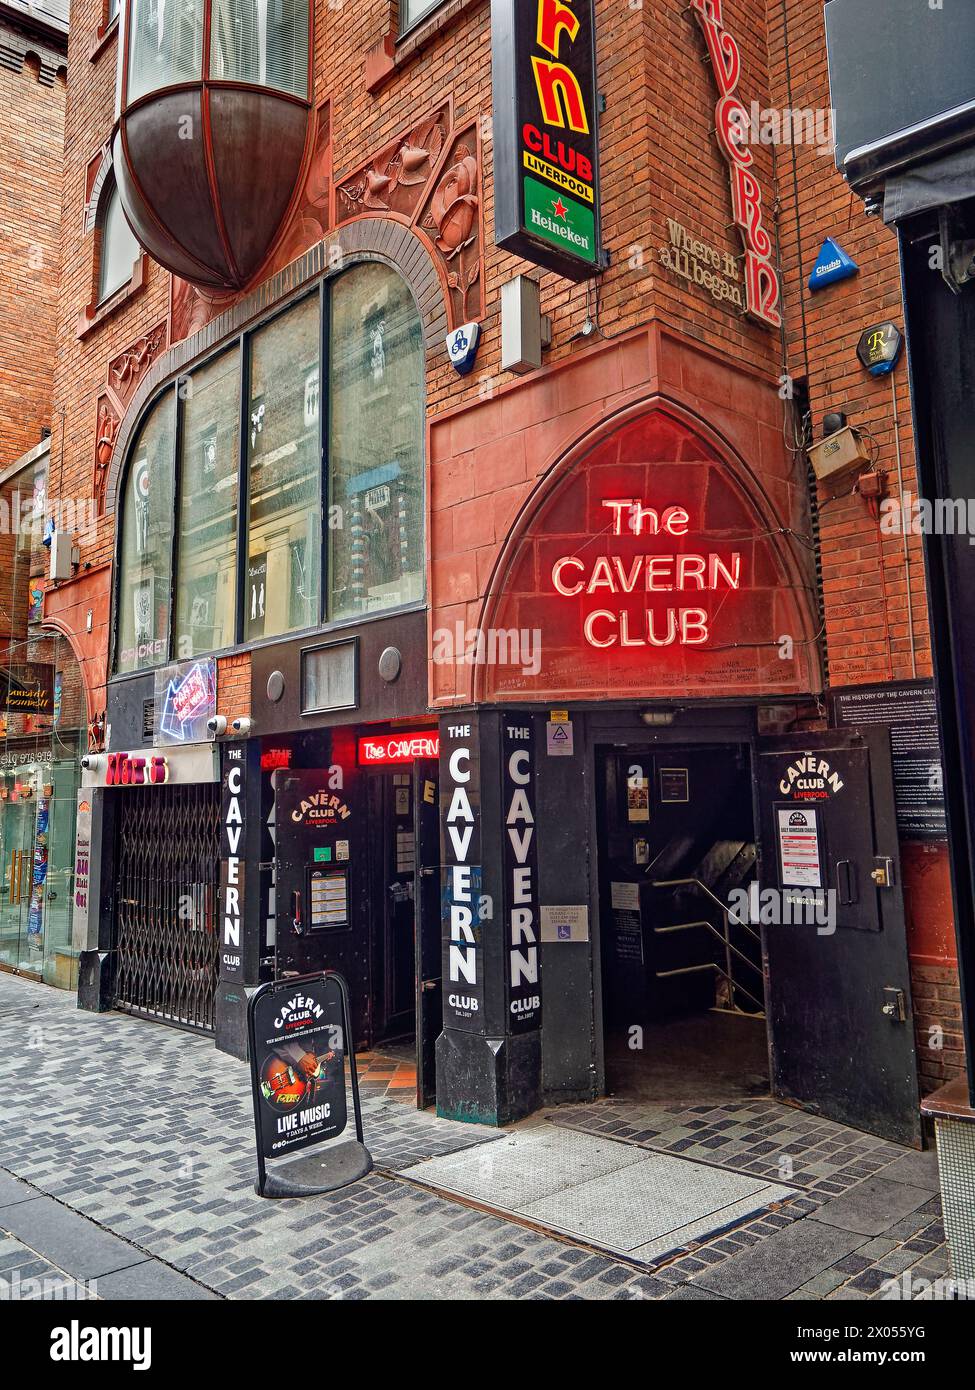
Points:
(31, 157)
(864, 577)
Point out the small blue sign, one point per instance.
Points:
(833, 265)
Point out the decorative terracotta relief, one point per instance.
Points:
(191, 308)
(106, 430)
(452, 219)
(430, 178)
(395, 178)
(127, 369)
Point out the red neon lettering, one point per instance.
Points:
(725, 56)
(731, 124)
(746, 196)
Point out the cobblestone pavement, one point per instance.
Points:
(146, 1132)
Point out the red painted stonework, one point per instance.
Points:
(695, 603)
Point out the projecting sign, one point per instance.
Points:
(832, 266)
(546, 164)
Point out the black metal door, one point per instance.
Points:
(167, 863)
(841, 1035)
(320, 884)
(429, 984)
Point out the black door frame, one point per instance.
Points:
(621, 726)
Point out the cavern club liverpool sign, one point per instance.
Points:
(546, 167)
(732, 128)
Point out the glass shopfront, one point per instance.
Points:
(302, 508)
(42, 732)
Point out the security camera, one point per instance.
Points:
(91, 762)
(217, 724)
(241, 726)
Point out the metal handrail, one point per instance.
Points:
(724, 939)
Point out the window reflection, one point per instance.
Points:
(261, 41)
(118, 248)
(284, 532)
(146, 548)
(206, 589)
(375, 454)
(166, 44)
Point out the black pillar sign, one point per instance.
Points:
(232, 875)
(520, 857)
(460, 802)
(297, 1044)
(546, 161)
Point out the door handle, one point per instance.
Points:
(845, 882)
(299, 926)
(429, 984)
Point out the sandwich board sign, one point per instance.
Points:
(298, 1031)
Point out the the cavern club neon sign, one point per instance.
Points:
(732, 123)
(623, 580)
(385, 750)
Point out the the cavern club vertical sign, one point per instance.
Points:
(733, 125)
(546, 165)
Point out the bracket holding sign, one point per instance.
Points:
(296, 1032)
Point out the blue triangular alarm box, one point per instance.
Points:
(833, 265)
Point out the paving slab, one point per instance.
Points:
(781, 1264)
(151, 1279)
(13, 1190)
(69, 1241)
(916, 1169)
(872, 1206)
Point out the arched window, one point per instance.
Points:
(118, 249)
(334, 491)
(146, 542)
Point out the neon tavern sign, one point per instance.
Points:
(615, 576)
(731, 120)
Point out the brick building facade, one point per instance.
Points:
(655, 381)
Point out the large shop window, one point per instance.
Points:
(147, 542)
(375, 444)
(206, 588)
(344, 473)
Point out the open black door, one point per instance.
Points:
(429, 993)
(321, 918)
(841, 1034)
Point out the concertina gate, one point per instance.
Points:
(166, 901)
